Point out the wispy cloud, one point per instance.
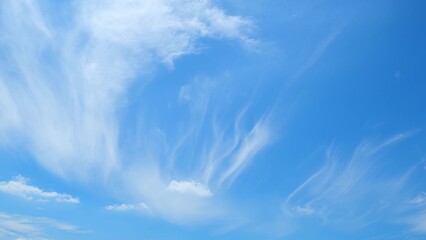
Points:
(350, 191)
(319, 50)
(203, 156)
(19, 187)
(303, 210)
(258, 137)
(64, 80)
(228, 147)
(181, 202)
(417, 222)
(416, 217)
(70, 83)
(419, 199)
(14, 226)
(69, 78)
(393, 140)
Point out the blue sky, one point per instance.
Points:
(211, 119)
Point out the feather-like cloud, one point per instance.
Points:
(14, 226)
(350, 191)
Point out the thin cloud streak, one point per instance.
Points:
(318, 52)
(14, 226)
(419, 199)
(350, 187)
(417, 222)
(252, 143)
(204, 156)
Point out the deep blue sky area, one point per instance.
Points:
(211, 119)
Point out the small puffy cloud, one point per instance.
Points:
(19, 187)
(127, 207)
(190, 187)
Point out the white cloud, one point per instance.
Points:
(349, 191)
(62, 87)
(391, 141)
(146, 184)
(127, 207)
(68, 81)
(190, 187)
(209, 150)
(170, 28)
(230, 145)
(14, 226)
(303, 210)
(318, 52)
(417, 222)
(250, 145)
(419, 199)
(18, 186)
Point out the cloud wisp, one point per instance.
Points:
(317, 53)
(227, 147)
(419, 199)
(14, 226)
(19, 187)
(200, 160)
(351, 192)
(417, 222)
